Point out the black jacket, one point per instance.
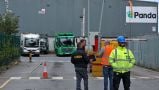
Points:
(79, 58)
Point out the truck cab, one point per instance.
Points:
(64, 44)
(30, 43)
(44, 47)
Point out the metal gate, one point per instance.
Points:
(9, 48)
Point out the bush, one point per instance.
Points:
(9, 23)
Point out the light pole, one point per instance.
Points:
(82, 19)
(83, 24)
(6, 5)
(100, 25)
(88, 26)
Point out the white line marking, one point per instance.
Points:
(59, 61)
(57, 78)
(5, 83)
(74, 78)
(132, 78)
(17, 78)
(144, 77)
(100, 78)
(31, 78)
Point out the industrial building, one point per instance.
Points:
(53, 16)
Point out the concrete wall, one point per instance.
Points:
(64, 16)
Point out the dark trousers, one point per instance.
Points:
(125, 77)
(108, 74)
(81, 73)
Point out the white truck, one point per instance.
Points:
(44, 45)
(30, 43)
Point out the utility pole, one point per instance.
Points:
(82, 19)
(6, 6)
(100, 25)
(83, 25)
(89, 26)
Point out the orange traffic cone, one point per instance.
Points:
(45, 74)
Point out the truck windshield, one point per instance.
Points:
(31, 42)
(67, 41)
(42, 43)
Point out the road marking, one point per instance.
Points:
(5, 83)
(144, 77)
(57, 78)
(74, 78)
(62, 78)
(132, 78)
(35, 78)
(100, 78)
(15, 78)
(59, 61)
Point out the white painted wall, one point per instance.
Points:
(51, 44)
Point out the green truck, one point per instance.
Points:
(64, 44)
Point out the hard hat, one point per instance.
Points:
(121, 39)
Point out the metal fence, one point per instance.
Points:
(146, 51)
(9, 48)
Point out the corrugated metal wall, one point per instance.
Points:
(64, 16)
(146, 52)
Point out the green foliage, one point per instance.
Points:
(9, 23)
(9, 48)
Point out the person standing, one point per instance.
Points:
(122, 60)
(107, 68)
(80, 60)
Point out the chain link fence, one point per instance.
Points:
(146, 51)
(9, 48)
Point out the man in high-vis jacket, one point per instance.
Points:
(122, 60)
(107, 68)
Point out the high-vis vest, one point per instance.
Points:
(105, 57)
(121, 59)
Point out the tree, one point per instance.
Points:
(9, 23)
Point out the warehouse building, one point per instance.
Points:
(53, 16)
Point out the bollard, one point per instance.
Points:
(30, 56)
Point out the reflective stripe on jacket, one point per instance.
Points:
(105, 57)
(121, 59)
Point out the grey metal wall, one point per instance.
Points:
(146, 52)
(64, 16)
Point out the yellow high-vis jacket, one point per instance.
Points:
(122, 59)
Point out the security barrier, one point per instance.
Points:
(97, 68)
(9, 48)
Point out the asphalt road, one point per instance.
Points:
(61, 76)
